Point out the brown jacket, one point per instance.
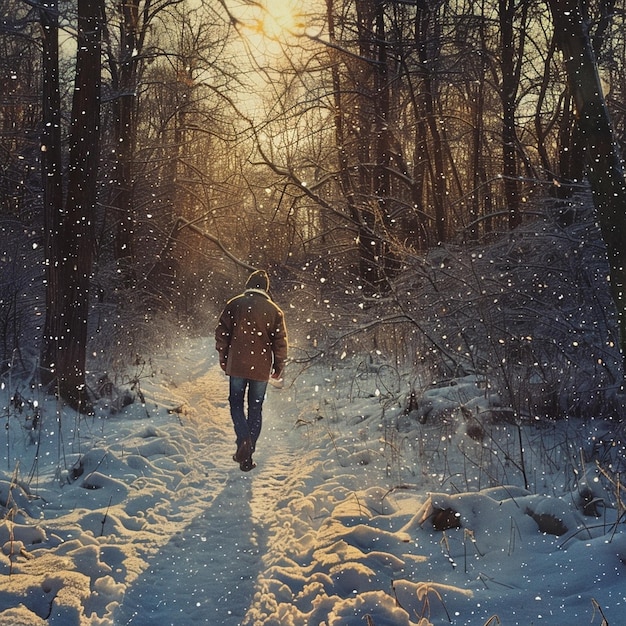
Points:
(251, 336)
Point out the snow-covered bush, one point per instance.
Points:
(530, 314)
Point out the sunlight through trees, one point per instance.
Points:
(347, 138)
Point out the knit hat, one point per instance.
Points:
(258, 280)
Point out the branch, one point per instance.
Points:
(183, 223)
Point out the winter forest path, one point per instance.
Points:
(206, 572)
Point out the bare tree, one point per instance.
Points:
(125, 67)
(69, 227)
(20, 68)
(604, 163)
(511, 69)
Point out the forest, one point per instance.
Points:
(439, 180)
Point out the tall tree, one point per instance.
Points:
(128, 53)
(605, 169)
(69, 236)
(51, 106)
(124, 75)
(430, 140)
(511, 71)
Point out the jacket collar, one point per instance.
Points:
(263, 293)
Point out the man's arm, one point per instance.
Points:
(223, 334)
(279, 345)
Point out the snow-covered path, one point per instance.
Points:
(206, 572)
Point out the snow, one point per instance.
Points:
(357, 512)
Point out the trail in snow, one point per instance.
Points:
(206, 572)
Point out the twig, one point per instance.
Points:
(106, 513)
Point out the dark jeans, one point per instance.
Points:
(250, 425)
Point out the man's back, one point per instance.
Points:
(251, 336)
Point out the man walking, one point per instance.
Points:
(251, 339)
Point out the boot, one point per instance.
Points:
(244, 451)
(247, 465)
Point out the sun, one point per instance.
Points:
(270, 30)
(272, 19)
(279, 18)
(269, 26)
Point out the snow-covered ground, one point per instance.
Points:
(355, 514)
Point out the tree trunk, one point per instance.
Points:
(604, 164)
(70, 232)
(510, 85)
(52, 179)
(125, 135)
(571, 156)
(433, 150)
(343, 162)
